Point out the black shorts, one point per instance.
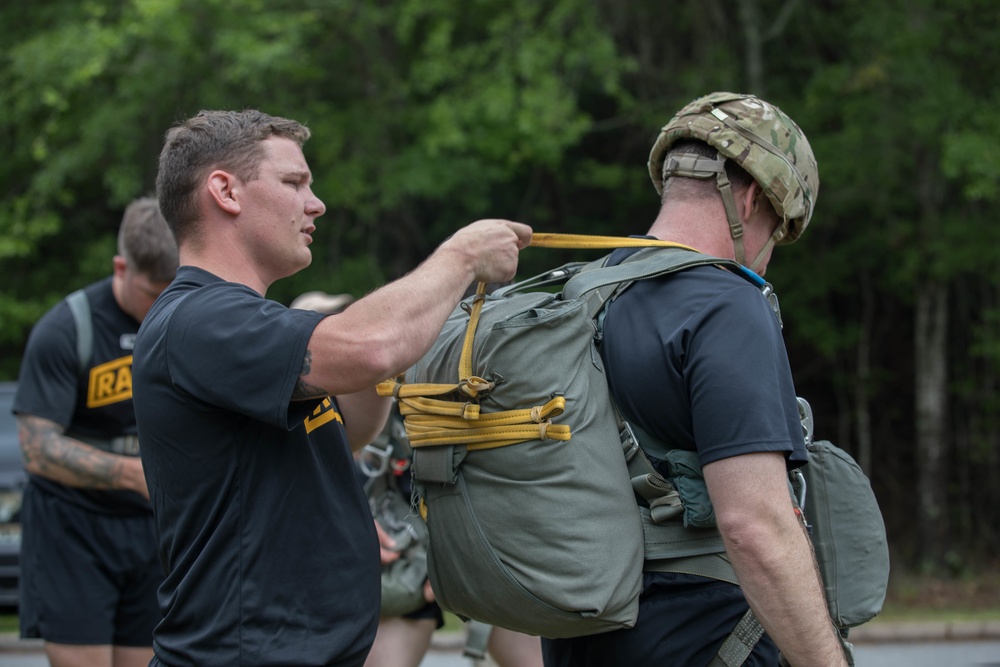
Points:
(429, 610)
(87, 578)
(683, 620)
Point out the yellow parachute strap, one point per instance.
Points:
(440, 421)
(403, 390)
(431, 414)
(465, 361)
(593, 242)
(488, 430)
(485, 438)
(430, 406)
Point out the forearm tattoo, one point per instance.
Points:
(50, 454)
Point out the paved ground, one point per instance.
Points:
(879, 643)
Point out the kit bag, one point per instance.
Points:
(518, 458)
(383, 464)
(848, 534)
(846, 527)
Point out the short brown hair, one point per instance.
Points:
(229, 140)
(146, 242)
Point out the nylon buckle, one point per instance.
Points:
(630, 443)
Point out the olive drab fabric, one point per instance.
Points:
(759, 137)
(846, 527)
(848, 534)
(528, 477)
(519, 463)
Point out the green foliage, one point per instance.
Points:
(420, 111)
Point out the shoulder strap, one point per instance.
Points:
(644, 264)
(79, 305)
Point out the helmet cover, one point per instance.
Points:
(760, 138)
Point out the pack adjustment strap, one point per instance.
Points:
(663, 499)
(476, 640)
(438, 466)
(740, 643)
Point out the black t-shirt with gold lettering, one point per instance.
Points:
(264, 529)
(94, 405)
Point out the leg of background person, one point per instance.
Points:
(514, 649)
(77, 655)
(401, 642)
(132, 656)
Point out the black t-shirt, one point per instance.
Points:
(264, 530)
(96, 404)
(696, 358)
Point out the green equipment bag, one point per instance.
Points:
(383, 463)
(846, 527)
(518, 457)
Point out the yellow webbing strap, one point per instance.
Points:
(465, 362)
(428, 427)
(440, 421)
(593, 242)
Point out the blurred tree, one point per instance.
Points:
(903, 226)
(424, 113)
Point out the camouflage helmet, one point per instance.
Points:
(759, 137)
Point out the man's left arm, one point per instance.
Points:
(365, 414)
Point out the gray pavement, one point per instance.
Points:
(878, 644)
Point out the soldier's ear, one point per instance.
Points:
(118, 265)
(750, 200)
(222, 188)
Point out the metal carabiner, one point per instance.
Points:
(799, 485)
(806, 418)
(772, 299)
(371, 453)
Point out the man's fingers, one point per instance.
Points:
(386, 545)
(523, 232)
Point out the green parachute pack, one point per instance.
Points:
(528, 477)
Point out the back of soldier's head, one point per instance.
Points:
(146, 242)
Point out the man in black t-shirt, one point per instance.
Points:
(89, 572)
(696, 360)
(249, 411)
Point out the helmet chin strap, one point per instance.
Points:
(760, 256)
(735, 226)
(778, 234)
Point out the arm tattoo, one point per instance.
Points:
(50, 454)
(304, 390)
